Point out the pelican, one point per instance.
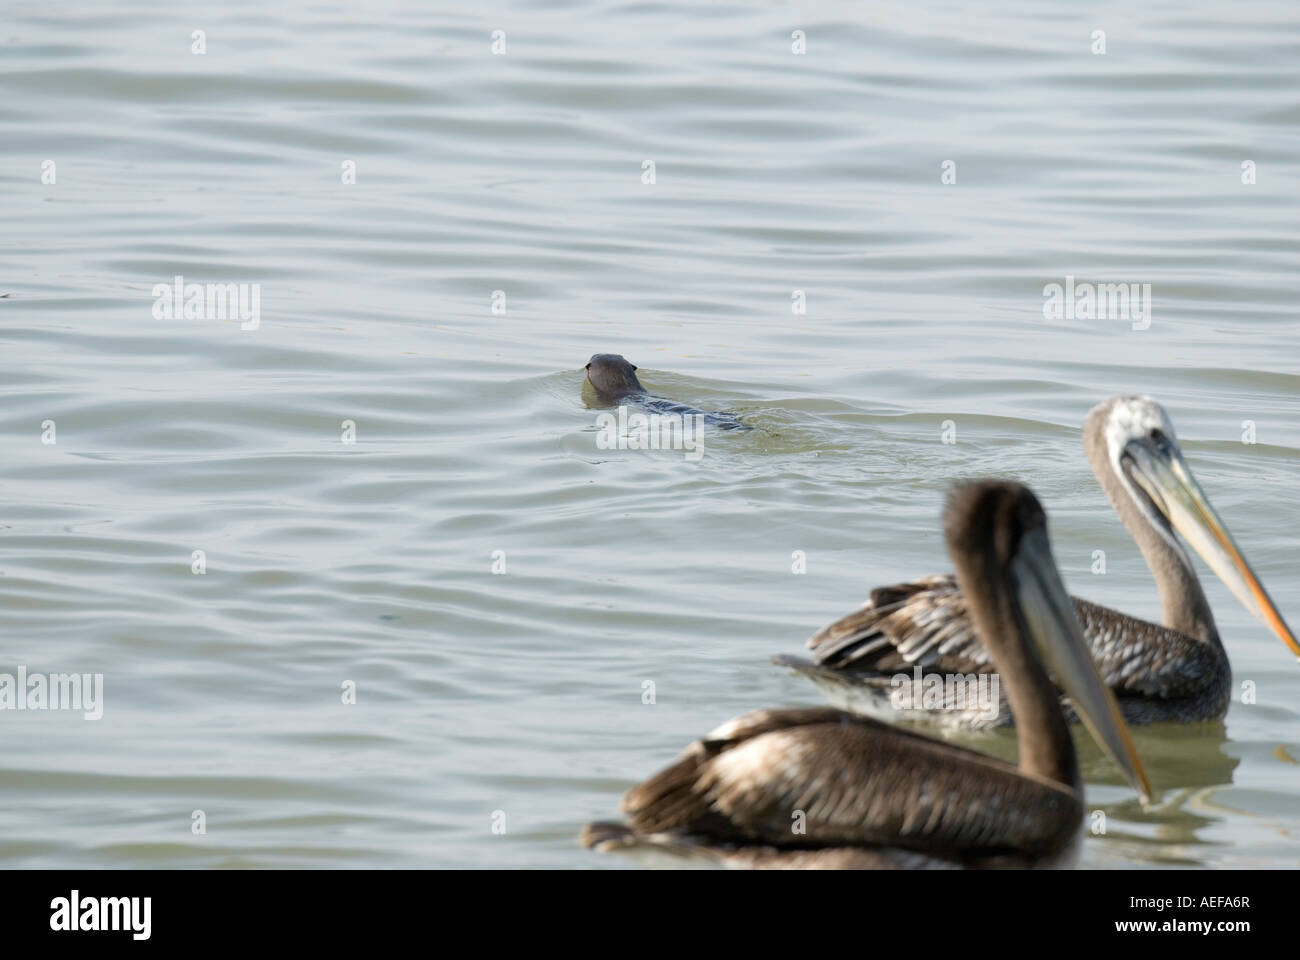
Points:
(1175, 672)
(824, 788)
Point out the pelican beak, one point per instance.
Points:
(1158, 468)
(1049, 619)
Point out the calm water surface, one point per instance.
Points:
(371, 563)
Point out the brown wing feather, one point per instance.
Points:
(858, 783)
(926, 623)
(1138, 658)
(921, 623)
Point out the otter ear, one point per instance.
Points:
(634, 366)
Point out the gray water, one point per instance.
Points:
(516, 697)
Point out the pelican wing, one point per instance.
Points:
(925, 623)
(850, 781)
(1137, 658)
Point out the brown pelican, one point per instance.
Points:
(1178, 671)
(823, 788)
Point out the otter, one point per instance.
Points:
(613, 377)
(614, 380)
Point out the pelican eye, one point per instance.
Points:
(1160, 439)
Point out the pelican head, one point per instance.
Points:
(1132, 440)
(997, 537)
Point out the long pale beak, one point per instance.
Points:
(1159, 469)
(1051, 622)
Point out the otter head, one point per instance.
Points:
(612, 376)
